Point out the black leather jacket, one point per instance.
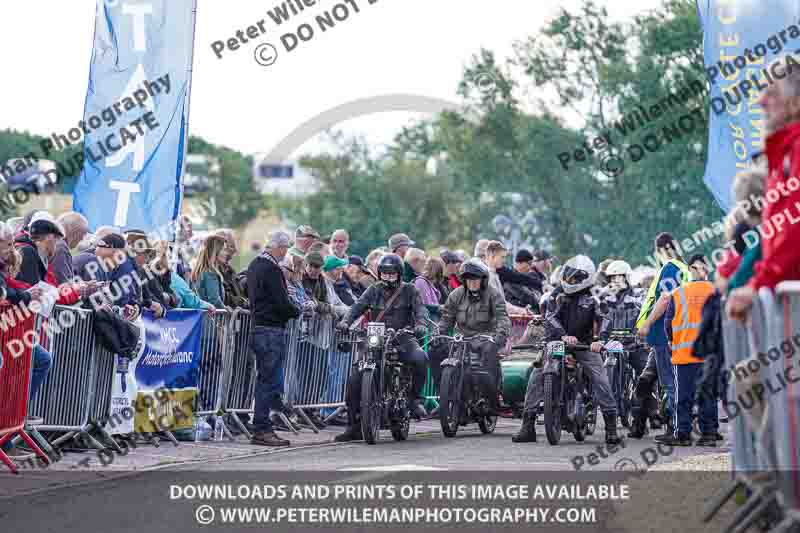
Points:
(406, 311)
(572, 314)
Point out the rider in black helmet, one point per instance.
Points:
(475, 308)
(406, 311)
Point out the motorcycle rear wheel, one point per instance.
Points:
(400, 429)
(487, 424)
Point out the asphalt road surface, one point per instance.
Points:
(145, 501)
(470, 450)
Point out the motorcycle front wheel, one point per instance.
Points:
(552, 409)
(449, 401)
(370, 406)
(628, 397)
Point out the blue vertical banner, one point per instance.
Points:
(136, 114)
(740, 40)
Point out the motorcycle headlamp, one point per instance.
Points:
(374, 341)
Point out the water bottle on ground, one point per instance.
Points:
(219, 429)
(202, 431)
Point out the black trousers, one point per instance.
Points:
(409, 353)
(645, 387)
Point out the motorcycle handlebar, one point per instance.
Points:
(460, 338)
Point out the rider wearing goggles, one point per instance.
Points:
(571, 318)
(406, 311)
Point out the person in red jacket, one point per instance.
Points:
(779, 234)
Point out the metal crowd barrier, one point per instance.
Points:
(785, 333)
(318, 364)
(763, 401)
(76, 394)
(242, 385)
(214, 363)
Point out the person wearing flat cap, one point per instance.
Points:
(38, 247)
(358, 272)
(400, 244)
(304, 237)
(321, 289)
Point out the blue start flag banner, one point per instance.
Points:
(158, 389)
(741, 38)
(135, 121)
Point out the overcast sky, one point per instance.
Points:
(418, 47)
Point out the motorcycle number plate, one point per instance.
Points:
(376, 328)
(557, 349)
(611, 360)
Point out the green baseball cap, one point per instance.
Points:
(332, 262)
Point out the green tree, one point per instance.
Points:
(374, 197)
(235, 197)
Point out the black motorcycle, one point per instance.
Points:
(569, 403)
(462, 391)
(621, 375)
(386, 384)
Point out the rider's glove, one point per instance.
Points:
(420, 331)
(343, 325)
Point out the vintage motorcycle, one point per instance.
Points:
(386, 384)
(621, 375)
(569, 402)
(462, 393)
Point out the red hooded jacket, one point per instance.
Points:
(780, 252)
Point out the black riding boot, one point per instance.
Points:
(418, 410)
(353, 432)
(611, 429)
(638, 426)
(668, 434)
(527, 433)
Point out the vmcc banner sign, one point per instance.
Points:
(136, 113)
(158, 388)
(759, 31)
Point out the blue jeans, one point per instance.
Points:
(338, 368)
(269, 345)
(686, 377)
(666, 376)
(41, 363)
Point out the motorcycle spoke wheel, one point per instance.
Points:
(449, 401)
(370, 407)
(552, 410)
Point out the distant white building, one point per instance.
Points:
(285, 179)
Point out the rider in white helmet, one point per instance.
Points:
(620, 307)
(572, 317)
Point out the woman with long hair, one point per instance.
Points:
(206, 275)
(428, 284)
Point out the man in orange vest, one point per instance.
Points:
(682, 325)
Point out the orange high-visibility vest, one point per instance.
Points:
(688, 300)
